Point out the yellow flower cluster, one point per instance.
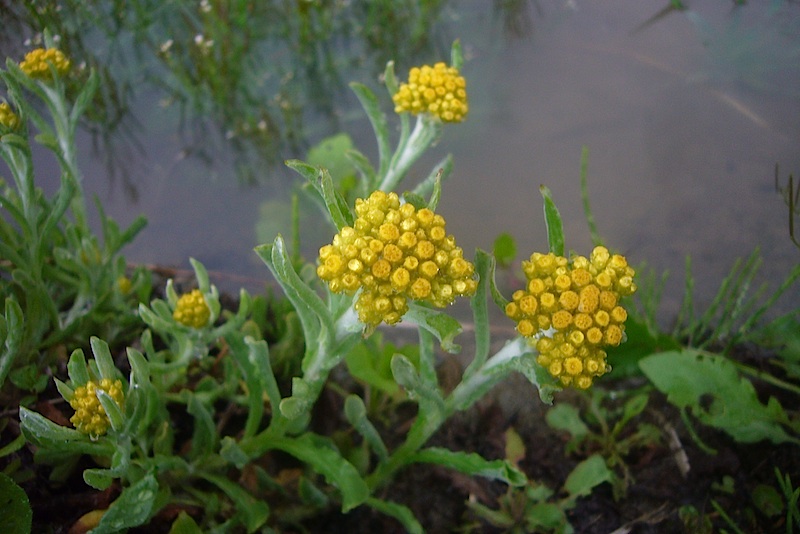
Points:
(37, 63)
(90, 417)
(192, 310)
(394, 253)
(8, 118)
(439, 90)
(572, 310)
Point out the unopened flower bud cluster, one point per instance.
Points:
(571, 310)
(192, 310)
(90, 417)
(394, 253)
(8, 118)
(37, 63)
(439, 90)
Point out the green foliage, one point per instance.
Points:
(60, 280)
(209, 410)
(504, 250)
(14, 507)
(712, 389)
(533, 507)
(612, 431)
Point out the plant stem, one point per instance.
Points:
(425, 132)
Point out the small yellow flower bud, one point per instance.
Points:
(561, 320)
(525, 328)
(573, 366)
(613, 335)
(192, 310)
(37, 63)
(594, 335)
(90, 417)
(8, 118)
(569, 300)
(607, 300)
(438, 90)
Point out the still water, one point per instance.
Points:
(684, 118)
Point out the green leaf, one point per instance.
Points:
(321, 180)
(29, 377)
(379, 125)
(418, 385)
(84, 98)
(259, 357)
(717, 395)
(356, 414)
(641, 342)
(591, 472)
(504, 249)
(99, 479)
(436, 194)
(112, 409)
(440, 172)
(201, 274)
(441, 325)
(255, 385)
(311, 310)
(13, 446)
(332, 153)
(402, 513)
(472, 464)
(184, 524)
(552, 218)
(102, 355)
(231, 452)
(364, 168)
(365, 365)
(44, 433)
(566, 417)
(767, 500)
(320, 454)
(537, 375)
(13, 328)
(132, 508)
(15, 509)
(204, 436)
(252, 512)
(456, 56)
(415, 200)
(484, 268)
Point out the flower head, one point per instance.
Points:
(90, 417)
(37, 63)
(439, 90)
(571, 310)
(393, 253)
(192, 310)
(8, 118)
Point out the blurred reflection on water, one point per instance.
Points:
(685, 119)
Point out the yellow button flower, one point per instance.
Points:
(192, 310)
(90, 417)
(575, 304)
(8, 118)
(37, 63)
(398, 253)
(439, 90)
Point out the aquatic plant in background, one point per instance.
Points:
(257, 78)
